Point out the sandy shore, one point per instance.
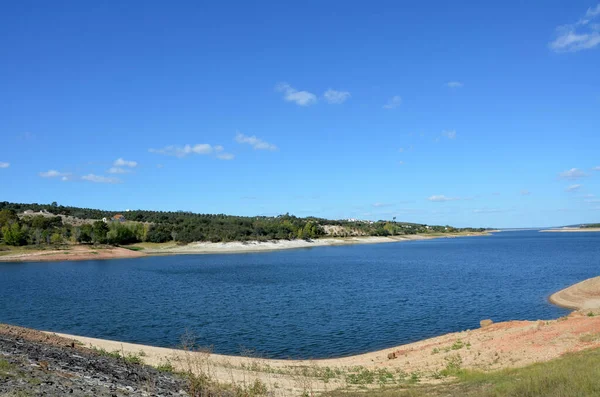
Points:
(581, 296)
(85, 252)
(496, 346)
(501, 345)
(72, 253)
(572, 230)
(275, 245)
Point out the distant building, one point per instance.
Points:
(118, 218)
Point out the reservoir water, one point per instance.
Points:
(306, 303)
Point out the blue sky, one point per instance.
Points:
(465, 113)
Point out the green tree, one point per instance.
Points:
(56, 238)
(85, 233)
(14, 235)
(99, 231)
(7, 217)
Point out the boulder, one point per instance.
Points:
(485, 323)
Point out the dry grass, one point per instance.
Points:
(576, 374)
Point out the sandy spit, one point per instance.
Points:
(581, 296)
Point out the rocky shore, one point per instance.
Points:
(36, 364)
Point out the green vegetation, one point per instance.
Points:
(575, 374)
(53, 224)
(591, 225)
(166, 367)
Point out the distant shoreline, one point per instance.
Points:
(238, 247)
(572, 230)
(78, 252)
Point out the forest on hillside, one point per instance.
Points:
(35, 224)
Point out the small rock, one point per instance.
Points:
(485, 323)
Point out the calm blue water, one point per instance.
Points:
(319, 302)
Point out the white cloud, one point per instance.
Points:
(225, 156)
(255, 142)
(393, 102)
(4, 165)
(401, 150)
(54, 174)
(582, 35)
(336, 97)
(454, 84)
(300, 98)
(382, 205)
(120, 162)
(118, 170)
(488, 211)
(525, 192)
(573, 188)
(573, 173)
(441, 198)
(450, 134)
(182, 151)
(100, 179)
(597, 168)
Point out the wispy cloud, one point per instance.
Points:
(596, 168)
(454, 84)
(4, 164)
(120, 162)
(55, 174)
(441, 198)
(118, 170)
(183, 151)
(300, 98)
(525, 192)
(581, 35)
(393, 102)
(255, 142)
(573, 188)
(382, 205)
(335, 97)
(100, 179)
(225, 156)
(450, 134)
(573, 173)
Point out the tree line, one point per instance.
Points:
(52, 226)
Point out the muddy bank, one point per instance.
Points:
(72, 253)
